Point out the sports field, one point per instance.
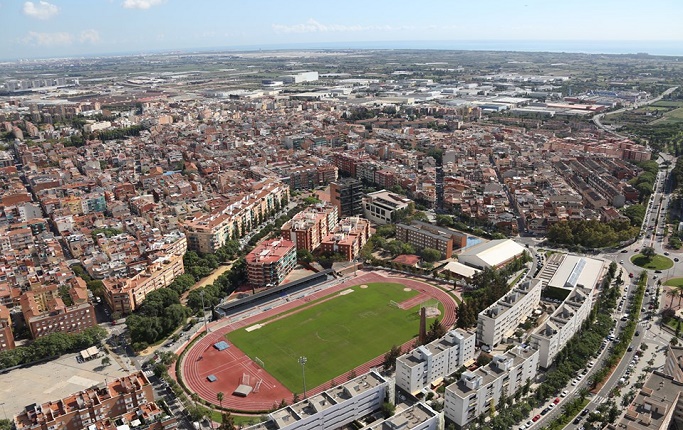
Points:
(337, 334)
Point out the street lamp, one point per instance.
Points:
(302, 362)
(201, 294)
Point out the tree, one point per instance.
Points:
(436, 331)
(304, 255)
(106, 361)
(388, 409)
(219, 396)
(673, 294)
(648, 252)
(227, 422)
(390, 358)
(431, 255)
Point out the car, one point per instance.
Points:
(536, 418)
(637, 249)
(545, 411)
(551, 406)
(666, 253)
(629, 349)
(557, 400)
(574, 382)
(621, 261)
(564, 393)
(584, 412)
(630, 275)
(658, 271)
(529, 423)
(676, 259)
(637, 333)
(577, 420)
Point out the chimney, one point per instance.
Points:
(423, 326)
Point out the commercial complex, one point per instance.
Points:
(493, 254)
(269, 263)
(382, 206)
(562, 325)
(423, 235)
(347, 195)
(332, 408)
(347, 238)
(501, 318)
(480, 390)
(308, 228)
(94, 405)
(429, 364)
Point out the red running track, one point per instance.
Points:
(230, 365)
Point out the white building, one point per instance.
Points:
(379, 207)
(502, 318)
(556, 331)
(333, 408)
(429, 364)
(477, 391)
(299, 77)
(491, 254)
(416, 417)
(567, 271)
(93, 126)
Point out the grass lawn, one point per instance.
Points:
(658, 262)
(674, 282)
(335, 336)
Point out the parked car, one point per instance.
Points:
(557, 400)
(536, 418)
(564, 393)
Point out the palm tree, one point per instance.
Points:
(219, 396)
(671, 293)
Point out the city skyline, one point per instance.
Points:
(67, 28)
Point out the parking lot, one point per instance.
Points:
(52, 381)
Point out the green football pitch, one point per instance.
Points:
(335, 335)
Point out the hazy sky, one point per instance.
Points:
(30, 29)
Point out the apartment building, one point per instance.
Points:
(478, 391)
(125, 295)
(6, 335)
(269, 263)
(308, 228)
(423, 235)
(416, 417)
(381, 206)
(333, 408)
(208, 232)
(83, 409)
(562, 325)
(429, 364)
(45, 312)
(347, 238)
(502, 317)
(347, 195)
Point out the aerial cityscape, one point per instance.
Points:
(310, 219)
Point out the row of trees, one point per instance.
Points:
(52, 345)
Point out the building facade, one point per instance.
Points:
(308, 228)
(502, 318)
(45, 312)
(347, 238)
(269, 263)
(125, 295)
(562, 325)
(83, 409)
(423, 235)
(347, 195)
(416, 417)
(478, 391)
(333, 408)
(381, 206)
(429, 364)
(6, 335)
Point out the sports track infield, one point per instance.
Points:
(336, 334)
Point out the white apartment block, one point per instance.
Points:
(477, 391)
(332, 408)
(502, 318)
(416, 417)
(429, 364)
(379, 207)
(562, 325)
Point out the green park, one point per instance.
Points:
(652, 261)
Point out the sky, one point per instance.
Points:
(72, 28)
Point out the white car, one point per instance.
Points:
(564, 393)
